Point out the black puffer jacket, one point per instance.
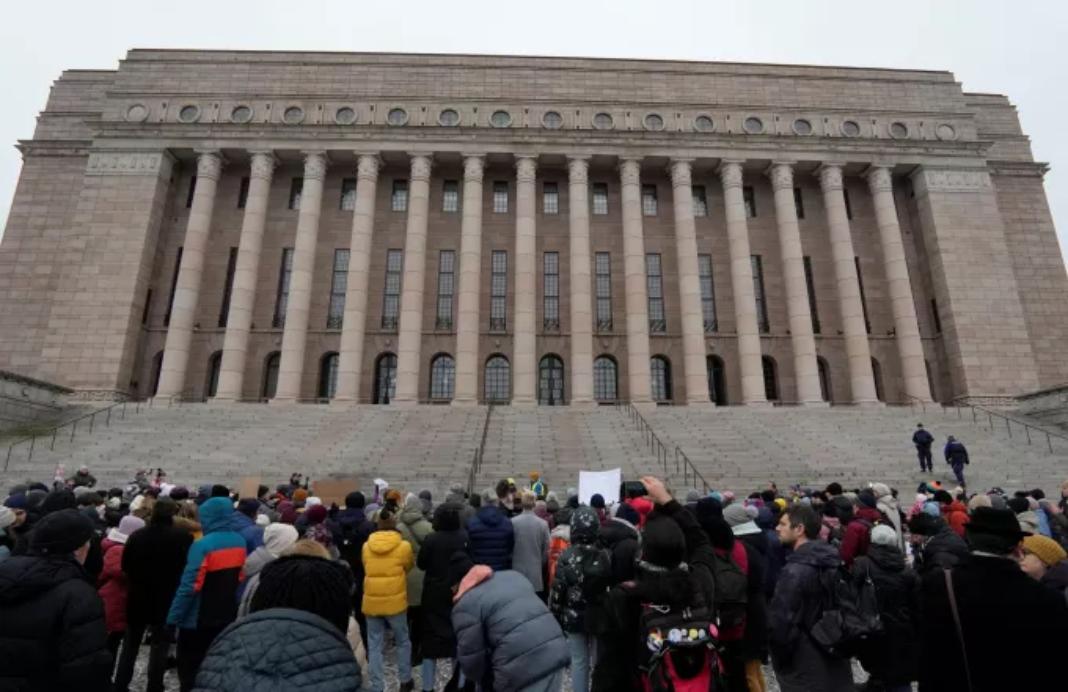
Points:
(153, 560)
(583, 576)
(892, 657)
(52, 634)
(279, 649)
(941, 551)
(620, 539)
(448, 538)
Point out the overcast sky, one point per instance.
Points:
(1014, 48)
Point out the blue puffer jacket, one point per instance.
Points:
(249, 530)
(491, 538)
(277, 650)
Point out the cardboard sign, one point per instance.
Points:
(605, 483)
(248, 485)
(333, 490)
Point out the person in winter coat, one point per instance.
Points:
(52, 633)
(414, 527)
(491, 536)
(352, 528)
(1002, 611)
(277, 539)
(892, 656)
(243, 521)
(620, 538)
(83, 478)
(387, 559)
(889, 508)
(507, 640)
(206, 599)
(112, 585)
(767, 519)
(1044, 560)
(923, 441)
(583, 577)
(448, 538)
(934, 545)
(531, 553)
(753, 651)
(858, 524)
(957, 457)
(953, 511)
(800, 665)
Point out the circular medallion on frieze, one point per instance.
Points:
(851, 128)
(136, 113)
(189, 114)
(294, 115)
(552, 120)
(704, 123)
(753, 125)
(346, 115)
(241, 114)
(449, 118)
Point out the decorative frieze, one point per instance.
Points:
(129, 163)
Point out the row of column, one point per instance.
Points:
(524, 358)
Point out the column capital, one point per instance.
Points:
(730, 172)
(578, 168)
(630, 170)
(315, 163)
(781, 174)
(830, 175)
(878, 177)
(263, 163)
(526, 167)
(209, 163)
(367, 165)
(474, 167)
(421, 163)
(681, 172)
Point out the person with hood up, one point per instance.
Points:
(620, 538)
(889, 508)
(1044, 560)
(891, 657)
(583, 577)
(491, 536)
(507, 640)
(387, 559)
(934, 545)
(277, 539)
(112, 585)
(953, 511)
(52, 633)
(206, 599)
(448, 538)
(415, 528)
(800, 665)
(531, 553)
(352, 528)
(243, 521)
(957, 457)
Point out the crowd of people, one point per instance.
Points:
(521, 585)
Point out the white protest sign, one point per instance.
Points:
(603, 483)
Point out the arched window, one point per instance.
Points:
(498, 379)
(717, 381)
(660, 378)
(270, 374)
(877, 376)
(442, 377)
(211, 387)
(551, 381)
(825, 378)
(157, 367)
(771, 378)
(385, 378)
(328, 375)
(605, 379)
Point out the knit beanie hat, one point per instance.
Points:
(884, 535)
(315, 514)
(979, 500)
(355, 500)
(58, 500)
(16, 501)
(219, 490)
(663, 543)
(313, 501)
(597, 501)
(129, 524)
(60, 532)
(880, 490)
(692, 496)
(1019, 504)
(736, 514)
(311, 584)
(278, 537)
(1045, 549)
(248, 506)
(299, 496)
(7, 517)
(867, 498)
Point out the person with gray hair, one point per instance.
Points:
(531, 552)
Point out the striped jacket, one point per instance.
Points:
(207, 594)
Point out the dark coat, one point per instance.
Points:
(491, 538)
(942, 550)
(776, 552)
(583, 576)
(858, 534)
(505, 632)
(249, 530)
(52, 633)
(1005, 616)
(755, 639)
(279, 649)
(620, 539)
(438, 639)
(352, 529)
(153, 560)
(956, 454)
(892, 657)
(799, 664)
(922, 439)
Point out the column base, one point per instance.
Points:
(343, 403)
(701, 405)
(759, 405)
(464, 403)
(815, 404)
(287, 401)
(583, 404)
(869, 404)
(403, 403)
(221, 401)
(524, 403)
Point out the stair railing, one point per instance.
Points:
(690, 475)
(53, 432)
(978, 412)
(479, 452)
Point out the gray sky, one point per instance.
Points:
(1014, 48)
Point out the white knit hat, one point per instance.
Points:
(884, 535)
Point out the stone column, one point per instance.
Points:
(861, 380)
(469, 293)
(354, 323)
(806, 372)
(581, 280)
(295, 332)
(637, 301)
(410, 332)
(187, 290)
(524, 354)
(745, 317)
(906, 328)
(243, 291)
(693, 323)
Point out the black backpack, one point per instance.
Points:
(732, 591)
(849, 617)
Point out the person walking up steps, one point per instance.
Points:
(957, 457)
(923, 441)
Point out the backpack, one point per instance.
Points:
(732, 589)
(682, 648)
(835, 534)
(557, 545)
(849, 617)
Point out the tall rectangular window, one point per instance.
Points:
(347, 202)
(446, 288)
(654, 282)
(192, 192)
(757, 265)
(450, 196)
(708, 293)
(936, 316)
(339, 282)
(550, 200)
(749, 198)
(498, 291)
(551, 291)
(500, 197)
(700, 201)
(242, 193)
(600, 199)
(848, 206)
(281, 300)
(863, 300)
(398, 200)
(228, 287)
(296, 188)
(174, 288)
(811, 283)
(391, 297)
(799, 203)
(649, 200)
(603, 272)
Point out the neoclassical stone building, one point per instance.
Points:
(413, 228)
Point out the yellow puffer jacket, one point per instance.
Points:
(387, 557)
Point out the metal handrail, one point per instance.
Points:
(476, 460)
(991, 415)
(690, 474)
(73, 423)
(693, 474)
(913, 400)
